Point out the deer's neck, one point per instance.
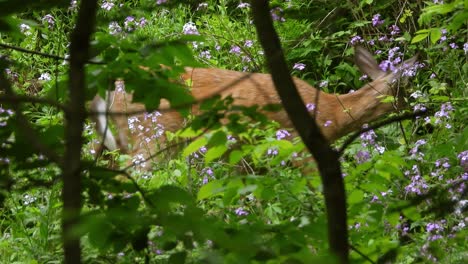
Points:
(363, 106)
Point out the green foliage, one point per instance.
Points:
(231, 195)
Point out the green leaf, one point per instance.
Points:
(419, 38)
(235, 156)
(194, 146)
(218, 138)
(436, 34)
(188, 132)
(210, 189)
(412, 213)
(178, 258)
(215, 152)
(168, 195)
(356, 196)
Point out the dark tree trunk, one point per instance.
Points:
(326, 157)
(75, 117)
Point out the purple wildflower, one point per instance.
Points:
(282, 133)
(394, 30)
(49, 19)
(417, 185)
(205, 54)
(323, 83)
(243, 5)
(272, 152)
(444, 113)
(235, 50)
(356, 40)
(376, 20)
(362, 156)
(463, 157)
(363, 77)
(453, 45)
(240, 211)
(114, 28)
(299, 66)
(310, 107)
(276, 14)
(190, 29)
(415, 153)
(107, 5)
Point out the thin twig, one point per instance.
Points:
(377, 125)
(16, 99)
(47, 55)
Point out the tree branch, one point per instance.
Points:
(16, 99)
(42, 54)
(75, 117)
(385, 122)
(326, 157)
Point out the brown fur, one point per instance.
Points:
(347, 112)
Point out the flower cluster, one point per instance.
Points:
(281, 134)
(243, 5)
(415, 151)
(435, 230)
(441, 166)
(418, 184)
(463, 157)
(276, 14)
(241, 211)
(368, 139)
(207, 174)
(190, 29)
(49, 20)
(443, 115)
(25, 29)
(299, 66)
(131, 23)
(107, 5)
(377, 21)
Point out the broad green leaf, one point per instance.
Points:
(356, 196)
(188, 132)
(235, 156)
(194, 146)
(210, 189)
(436, 33)
(419, 38)
(218, 138)
(215, 152)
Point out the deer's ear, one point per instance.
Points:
(367, 64)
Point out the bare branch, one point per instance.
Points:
(354, 136)
(16, 99)
(42, 54)
(326, 157)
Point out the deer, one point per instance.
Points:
(336, 115)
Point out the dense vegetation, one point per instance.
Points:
(232, 195)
